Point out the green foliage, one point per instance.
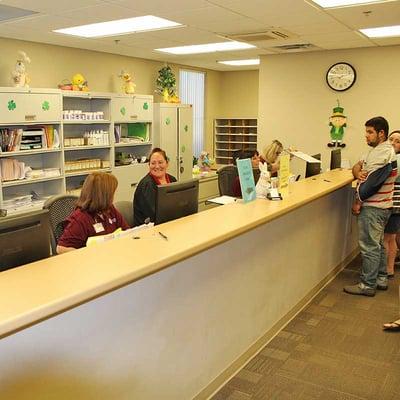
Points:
(166, 80)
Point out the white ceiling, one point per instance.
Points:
(205, 21)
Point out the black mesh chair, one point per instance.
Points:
(60, 207)
(226, 177)
(126, 210)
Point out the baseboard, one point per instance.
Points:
(256, 347)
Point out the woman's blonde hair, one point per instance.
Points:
(98, 192)
(272, 151)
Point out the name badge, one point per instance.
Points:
(98, 227)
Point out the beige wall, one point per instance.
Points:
(52, 64)
(295, 102)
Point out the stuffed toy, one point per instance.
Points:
(337, 122)
(19, 75)
(128, 85)
(204, 161)
(79, 83)
(263, 183)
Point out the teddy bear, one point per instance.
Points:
(79, 83)
(19, 75)
(128, 85)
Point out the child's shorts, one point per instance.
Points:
(393, 225)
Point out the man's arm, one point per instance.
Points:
(358, 172)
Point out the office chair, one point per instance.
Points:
(226, 177)
(60, 207)
(126, 210)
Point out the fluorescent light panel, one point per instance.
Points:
(207, 48)
(344, 3)
(252, 61)
(382, 32)
(120, 27)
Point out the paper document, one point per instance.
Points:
(117, 234)
(305, 156)
(222, 200)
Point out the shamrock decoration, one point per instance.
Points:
(45, 106)
(183, 149)
(186, 128)
(167, 121)
(123, 110)
(11, 105)
(145, 106)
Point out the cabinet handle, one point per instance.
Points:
(134, 184)
(133, 116)
(30, 117)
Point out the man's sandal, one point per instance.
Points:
(392, 326)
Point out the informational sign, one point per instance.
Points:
(284, 174)
(246, 179)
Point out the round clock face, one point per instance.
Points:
(341, 76)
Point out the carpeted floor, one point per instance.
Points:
(334, 349)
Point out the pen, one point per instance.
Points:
(326, 180)
(162, 235)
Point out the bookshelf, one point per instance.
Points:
(72, 135)
(232, 135)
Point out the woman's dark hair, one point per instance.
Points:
(245, 153)
(160, 151)
(97, 192)
(379, 124)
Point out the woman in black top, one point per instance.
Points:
(144, 202)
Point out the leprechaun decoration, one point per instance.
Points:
(337, 122)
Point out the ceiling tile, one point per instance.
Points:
(51, 6)
(157, 7)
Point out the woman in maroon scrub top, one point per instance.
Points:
(94, 214)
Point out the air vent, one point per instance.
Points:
(8, 13)
(296, 47)
(271, 34)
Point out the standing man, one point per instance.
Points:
(376, 173)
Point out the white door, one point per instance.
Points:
(169, 138)
(185, 142)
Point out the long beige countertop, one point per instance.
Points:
(40, 290)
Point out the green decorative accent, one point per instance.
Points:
(183, 149)
(11, 105)
(186, 128)
(167, 121)
(123, 110)
(45, 106)
(145, 106)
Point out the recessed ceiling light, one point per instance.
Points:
(384, 31)
(252, 61)
(345, 3)
(207, 48)
(120, 27)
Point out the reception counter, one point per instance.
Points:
(171, 318)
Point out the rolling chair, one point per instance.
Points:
(226, 177)
(126, 210)
(60, 207)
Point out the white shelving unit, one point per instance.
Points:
(232, 135)
(27, 108)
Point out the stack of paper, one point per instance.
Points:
(12, 169)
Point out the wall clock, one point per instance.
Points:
(341, 76)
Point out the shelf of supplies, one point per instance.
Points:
(236, 134)
(85, 122)
(27, 181)
(28, 123)
(236, 126)
(133, 165)
(28, 152)
(235, 142)
(132, 144)
(228, 149)
(87, 147)
(86, 172)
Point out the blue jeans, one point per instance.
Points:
(371, 226)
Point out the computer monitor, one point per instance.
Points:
(176, 200)
(313, 168)
(24, 238)
(336, 158)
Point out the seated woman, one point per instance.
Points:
(255, 160)
(144, 201)
(94, 214)
(271, 156)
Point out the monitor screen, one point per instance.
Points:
(313, 168)
(176, 200)
(336, 158)
(24, 238)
